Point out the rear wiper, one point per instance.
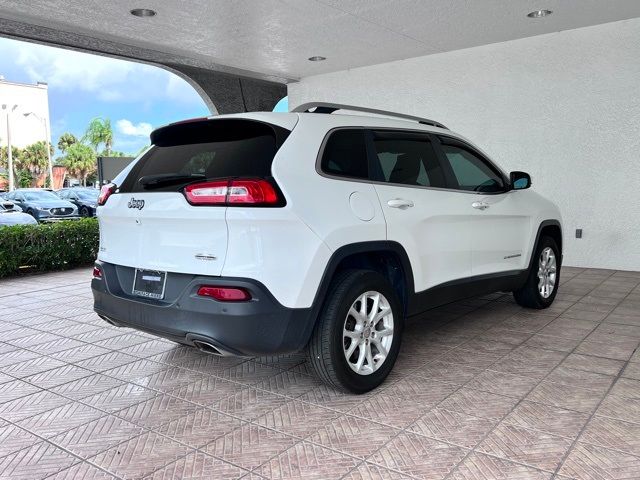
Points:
(162, 179)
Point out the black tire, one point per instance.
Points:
(84, 212)
(326, 345)
(529, 296)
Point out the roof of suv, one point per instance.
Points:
(328, 108)
(326, 120)
(288, 120)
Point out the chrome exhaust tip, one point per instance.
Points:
(207, 348)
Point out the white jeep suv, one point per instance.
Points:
(266, 233)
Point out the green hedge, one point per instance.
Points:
(53, 246)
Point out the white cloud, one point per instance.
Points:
(110, 79)
(126, 127)
(129, 145)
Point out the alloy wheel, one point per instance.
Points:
(547, 269)
(368, 332)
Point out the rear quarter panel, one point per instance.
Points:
(324, 206)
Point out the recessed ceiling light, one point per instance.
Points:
(539, 13)
(317, 58)
(143, 12)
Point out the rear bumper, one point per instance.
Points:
(261, 326)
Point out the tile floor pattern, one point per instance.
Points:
(482, 389)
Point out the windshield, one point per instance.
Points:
(39, 196)
(91, 195)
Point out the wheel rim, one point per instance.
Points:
(547, 269)
(367, 334)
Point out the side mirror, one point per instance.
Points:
(520, 180)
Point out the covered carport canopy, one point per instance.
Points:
(240, 55)
(547, 87)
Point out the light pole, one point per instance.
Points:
(9, 154)
(47, 143)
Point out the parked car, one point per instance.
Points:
(85, 199)
(11, 214)
(266, 233)
(8, 205)
(42, 204)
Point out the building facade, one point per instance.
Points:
(27, 120)
(24, 115)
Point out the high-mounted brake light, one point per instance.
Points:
(232, 192)
(190, 120)
(224, 294)
(105, 193)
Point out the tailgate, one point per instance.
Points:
(161, 231)
(149, 223)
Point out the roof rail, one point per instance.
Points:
(322, 107)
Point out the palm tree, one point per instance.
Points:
(34, 159)
(100, 132)
(80, 161)
(65, 141)
(4, 158)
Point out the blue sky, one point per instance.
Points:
(135, 97)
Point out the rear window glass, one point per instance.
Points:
(196, 151)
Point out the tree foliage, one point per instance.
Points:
(33, 159)
(113, 153)
(99, 132)
(79, 154)
(65, 141)
(80, 161)
(4, 158)
(23, 178)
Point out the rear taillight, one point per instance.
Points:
(225, 294)
(258, 192)
(97, 273)
(105, 193)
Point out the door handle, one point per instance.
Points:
(480, 205)
(400, 203)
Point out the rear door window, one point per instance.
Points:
(407, 159)
(205, 150)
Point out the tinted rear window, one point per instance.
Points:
(205, 150)
(408, 158)
(345, 154)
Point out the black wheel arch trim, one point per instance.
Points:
(387, 246)
(543, 224)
